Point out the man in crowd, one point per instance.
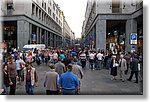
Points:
(30, 77)
(60, 67)
(122, 67)
(99, 58)
(51, 81)
(134, 68)
(69, 82)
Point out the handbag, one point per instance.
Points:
(139, 67)
(21, 65)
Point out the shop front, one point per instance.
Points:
(115, 35)
(10, 33)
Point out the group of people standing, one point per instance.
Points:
(123, 64)
(65, 74)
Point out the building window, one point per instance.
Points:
(9, 6)
(56, 11)
(53, 15)
(49, 10)
(50, 2)
(33, 9)
(42, 16)
(44, 5)
(39, 14)
(56, 19)
(36, 11)
(116, 6)
(54, 7)
(59, 15)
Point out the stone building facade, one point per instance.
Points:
(112, 22)
(32, 22)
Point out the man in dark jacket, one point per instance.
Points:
(134, 68)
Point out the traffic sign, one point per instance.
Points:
(133, 38)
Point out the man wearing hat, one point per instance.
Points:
(30, 77)
(51, 81)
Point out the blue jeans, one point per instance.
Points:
(6, 89)
(99, 64)
(29, 88)
(91, 66)
(55, 61)
(68, 92)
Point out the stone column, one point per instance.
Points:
(101, 34)
(37, 35)
(23, 33)
(54, 40)
(30, 33)
(40, 35)
(46, 38)
(131, 27)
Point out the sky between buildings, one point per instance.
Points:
(74, 11)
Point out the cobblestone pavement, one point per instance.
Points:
(93, 82)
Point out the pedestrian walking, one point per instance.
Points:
(127, 57)
(60, 67)
(62, 55)
(122, 68)
(69, 82)
(83, 59)
(100, 58)
(30, 77)
(12, 72)
(6, 79)
(29, 57)
(52, 81)
(113, 67)
(91, 60)
(76, 69)
(46, 56)
(134, 68)
(55, 57)
(19, 66)
(38, 59)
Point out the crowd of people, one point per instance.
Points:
(66, 68)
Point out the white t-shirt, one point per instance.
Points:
(91, 56)
(99, 56)
(55, 56)
(51, 56)
(83, 56)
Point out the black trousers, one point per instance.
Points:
(136, 75)
(49, 92)
(83, 62)
(13, 87)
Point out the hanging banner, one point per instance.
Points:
(33, 37)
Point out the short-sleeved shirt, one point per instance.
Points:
(69, 81)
